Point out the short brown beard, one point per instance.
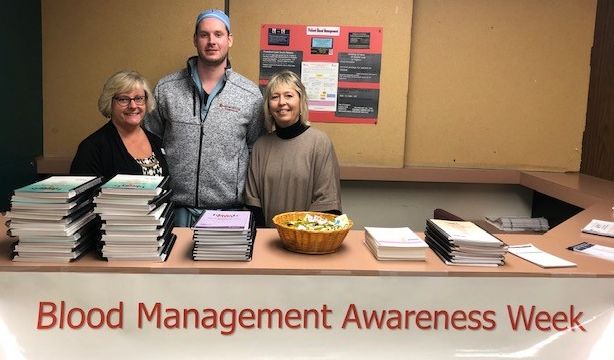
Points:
(212, 63)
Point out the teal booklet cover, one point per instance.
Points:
(60, 186)
(138, 184)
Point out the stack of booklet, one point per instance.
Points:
(224, 235)
(54, 219)
(599, 227)
(464, 243)
(137, 218)
(533, 254)
(395, 243)
(596, 250)
(519, 223)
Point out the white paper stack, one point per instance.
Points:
(531, 253)
(600, 227)
(54, 219)
(395, 243)
(224, 235)
(464, 243)
(596, 250)
(519, 223)
(137, 218)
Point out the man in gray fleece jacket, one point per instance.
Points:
(208, 117)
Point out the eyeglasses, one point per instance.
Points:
(125, 101)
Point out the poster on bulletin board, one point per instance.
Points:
(339, 65)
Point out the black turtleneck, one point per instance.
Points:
(291, 131)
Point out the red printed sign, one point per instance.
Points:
(339, 65)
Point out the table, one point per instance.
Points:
(341, 305)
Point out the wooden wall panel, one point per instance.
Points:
(499, 84)
(85, 42)
(598, 144)
(490, 83)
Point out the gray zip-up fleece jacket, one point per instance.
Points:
(207, 157)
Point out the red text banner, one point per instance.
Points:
(93, 315)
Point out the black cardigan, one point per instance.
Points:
(103, 153)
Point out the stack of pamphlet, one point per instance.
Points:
(395, 243)
(537, 256)
(599, 227)
(519, 223)
(596, 250)
(54, 219)
(137, 218)
(464, 243)
(224, 235)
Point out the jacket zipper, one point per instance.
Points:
(200, 146)
(237, 178)
(202, 134)
(200, 149)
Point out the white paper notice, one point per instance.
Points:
(600, 251)
(320, 81)
(539, 257)
(600, 227)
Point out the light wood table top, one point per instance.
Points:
(353, 258)
(595, 195)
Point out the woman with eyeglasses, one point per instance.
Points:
(122, 146)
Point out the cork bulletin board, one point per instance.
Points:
(380, 144)
(85, 42)
(499, 84)
(463, 83)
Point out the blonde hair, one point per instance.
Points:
(123, 81)
(285, 77)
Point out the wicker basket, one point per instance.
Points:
(308, 241)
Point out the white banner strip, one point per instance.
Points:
(158, 316)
